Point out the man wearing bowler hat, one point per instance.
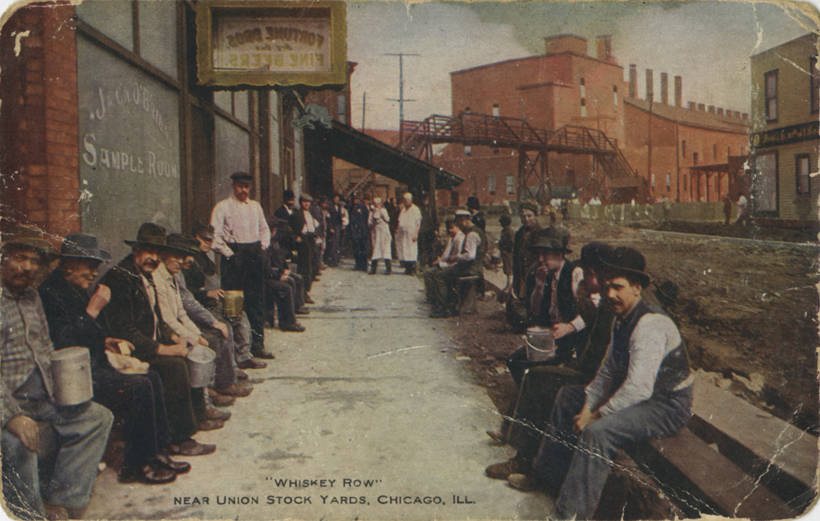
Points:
(133, 314)
(643, 390)
(29, 396)
(241, 235)
(136, 398)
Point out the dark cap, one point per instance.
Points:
(305, 197)
(472, 203)
(206, 231)
(287, 195)
(528, 205)
(592, 253)
(28, 236)
(624, 261)
(83, 246)
(150, 234)
(242, 177)
(554, 238)
(182, 244)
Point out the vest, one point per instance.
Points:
(567, 306)
(474, 267)
(674, 368)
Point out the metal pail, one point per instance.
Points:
(540, 344)
(71, 372)
(232, 304)
(201, 366)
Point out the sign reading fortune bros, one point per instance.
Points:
(271, 43)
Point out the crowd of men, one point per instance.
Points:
(619, 373)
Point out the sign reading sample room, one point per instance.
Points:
(128, 149)
(271, 43)
(275, 44)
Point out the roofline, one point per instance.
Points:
(544, 84)
(782, 44)
(502, 62)
(564, 35)
(690, 124)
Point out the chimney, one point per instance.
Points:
(604, 47)
(719, 111)
(692, 105)
(678, 91)
(650, 87)
(633, 80)
(702, 107)
(711, 109)
(664, 88)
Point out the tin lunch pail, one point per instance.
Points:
(540, 344)
(71, 371)
(201, 366)
(232, 304)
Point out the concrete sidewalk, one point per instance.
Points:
(369, 405)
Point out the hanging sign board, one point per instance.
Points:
(265, 43)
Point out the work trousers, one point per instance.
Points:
(82, 433)
(298, 289)
(225, 365)
(281, 293)
(581, 464)
(240, 330)
(244, 271)
(305, 260)
(444, 285)
(333, 251)
(360, 253)
(185, 406)
(139, 400)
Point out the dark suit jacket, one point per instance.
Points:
(129, 315)
(276, 260)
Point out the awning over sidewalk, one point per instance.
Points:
(362, 150)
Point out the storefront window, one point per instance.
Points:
(274, 133)
(158, 34)
(129, 148)
(113, 18)
(764, 183)
(224, 100)
(232, 154)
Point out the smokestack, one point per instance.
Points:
(712, 109)
(664, 88)
(633, 80)
(604, 45)
(678, 91)
(719, 111)
(702, 107)
(691, 105)
(650, 87)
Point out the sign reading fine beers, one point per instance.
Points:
(276, 44)
(264, 43)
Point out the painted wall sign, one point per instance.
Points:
(271, 43)
(786, 135)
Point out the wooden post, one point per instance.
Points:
(431, 198)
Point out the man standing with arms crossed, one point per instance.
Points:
(241, 235)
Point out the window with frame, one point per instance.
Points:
(802, 166)
(770, 91)
(683, 148)
(814, 81)
(668, 181)
(510, 181)
(694, 158)
(491, 184)
(583, 107)
(714, 151)
(615, 95)
(685, 182)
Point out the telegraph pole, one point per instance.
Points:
(401, 99)
(364, 105)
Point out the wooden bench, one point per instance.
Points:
(733, 459)
(469, 287)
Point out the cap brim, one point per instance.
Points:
(102, 256)
(645, 279)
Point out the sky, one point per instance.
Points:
(708, 43)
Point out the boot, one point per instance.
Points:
(372, 267)
(388, 266)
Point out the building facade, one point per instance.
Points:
(660, 138)
(785, 112)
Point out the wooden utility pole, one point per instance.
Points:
(401, 99)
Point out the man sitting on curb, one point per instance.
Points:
(467, 262)
(447, 258)
(642, 391)
(28, 397)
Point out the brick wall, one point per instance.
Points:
(38, 118)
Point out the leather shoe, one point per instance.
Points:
(252, 363)
(179, 467)
(497, 437)
(237, 389)
(302, 311)
(503, 470)
(522, 482)
(191, 447)
(296, 327)
(241, 375)
(56, 512)
(210, 425)
(221, 400)
(212, 413)
(151, 474)
(309, 300)
(267, 355)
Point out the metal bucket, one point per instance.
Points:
(71, 372)
(293, 267)
(540, 344)
(201, 366)
(232, 304)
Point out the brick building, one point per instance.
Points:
(661, 140)
(785, 113)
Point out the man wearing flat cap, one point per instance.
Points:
(28, 396)
(136, 398)
(241, 235)
(133, 314)
(643, 390)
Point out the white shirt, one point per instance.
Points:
(237, 221)
(577, 277)
(310, 223)
(453, 245)
(470, 247)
